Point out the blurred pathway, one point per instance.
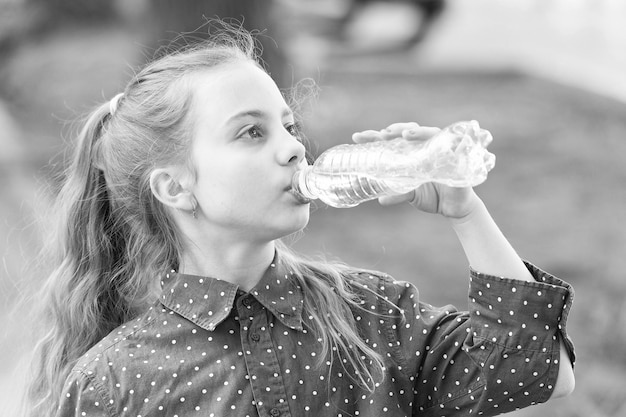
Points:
(579, 43)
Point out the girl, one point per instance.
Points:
(174, 296)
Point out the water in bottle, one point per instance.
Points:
(347, 175)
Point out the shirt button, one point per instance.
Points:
(255, 337)
(246, 302)
(275, 412)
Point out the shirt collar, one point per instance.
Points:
(279, 292)
(208, 301)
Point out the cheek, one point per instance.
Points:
(230, 184)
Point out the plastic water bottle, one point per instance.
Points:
(347, 175)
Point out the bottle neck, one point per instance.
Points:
(300, 184)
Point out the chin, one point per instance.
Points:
(296, 226)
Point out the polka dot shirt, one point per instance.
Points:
(208, 349)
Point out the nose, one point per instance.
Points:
(291, 152)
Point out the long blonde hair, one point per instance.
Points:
(113, 237)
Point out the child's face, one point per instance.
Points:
(245, 153)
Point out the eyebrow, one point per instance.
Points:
(256, 113)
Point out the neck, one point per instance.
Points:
(243, 264)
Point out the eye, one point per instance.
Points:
(253, 132)
(293, 129)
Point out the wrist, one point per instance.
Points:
(487, 249)
(474, 209)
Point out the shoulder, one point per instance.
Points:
(381, 293)
(394, 298)
(118, 343)
(88, 385)
(371, 283)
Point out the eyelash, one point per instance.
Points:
(292, 128)
(254, 128)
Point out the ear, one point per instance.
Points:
(169, 191)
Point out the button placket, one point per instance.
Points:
(261, 360)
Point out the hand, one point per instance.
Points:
(451, 202)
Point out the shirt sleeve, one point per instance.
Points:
(500, 356)
(82, 398)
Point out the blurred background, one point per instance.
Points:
(546, 77)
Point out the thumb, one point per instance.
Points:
(390, 200)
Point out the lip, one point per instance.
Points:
(299, 197)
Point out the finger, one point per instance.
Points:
(395, 130)
(420, 133)
(390, 200)
(402, 126)
(409, 131)
(367, 136)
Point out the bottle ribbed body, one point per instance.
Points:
(347, 175)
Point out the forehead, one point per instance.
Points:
(234, 85)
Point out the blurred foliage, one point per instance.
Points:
(170, 18)
(163, 22)
(73, 10)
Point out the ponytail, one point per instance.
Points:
(80, 301)
(113, 238)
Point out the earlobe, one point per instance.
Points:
(169, 191)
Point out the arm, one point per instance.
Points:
(500, 355)
(488, 251)
(486, 248)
